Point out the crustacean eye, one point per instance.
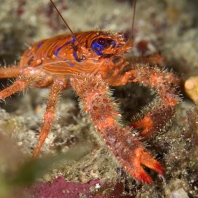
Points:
(100, 44)
(102, 41)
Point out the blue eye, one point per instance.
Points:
(100, 44)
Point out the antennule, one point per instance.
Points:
(133, 21)
(63, 20)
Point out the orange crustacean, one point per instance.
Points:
(90, 62)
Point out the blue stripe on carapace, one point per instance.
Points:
(75, 48)
(97, 48)
(57, 50)
(39, 45)
(75, 55)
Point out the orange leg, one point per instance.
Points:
(18, 85)
(27, 77)
(57, 87)
(162, 108)
(38, 78)
(10, 72)
(98, 103)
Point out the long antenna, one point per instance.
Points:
(63, 19)
(133, 21)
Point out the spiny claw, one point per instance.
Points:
(151, 163)
(140, 158)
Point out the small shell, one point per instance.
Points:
(191, 88)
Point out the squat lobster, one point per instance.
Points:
(90, 62)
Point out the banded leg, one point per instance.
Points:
(58, 86)
(97, 102)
